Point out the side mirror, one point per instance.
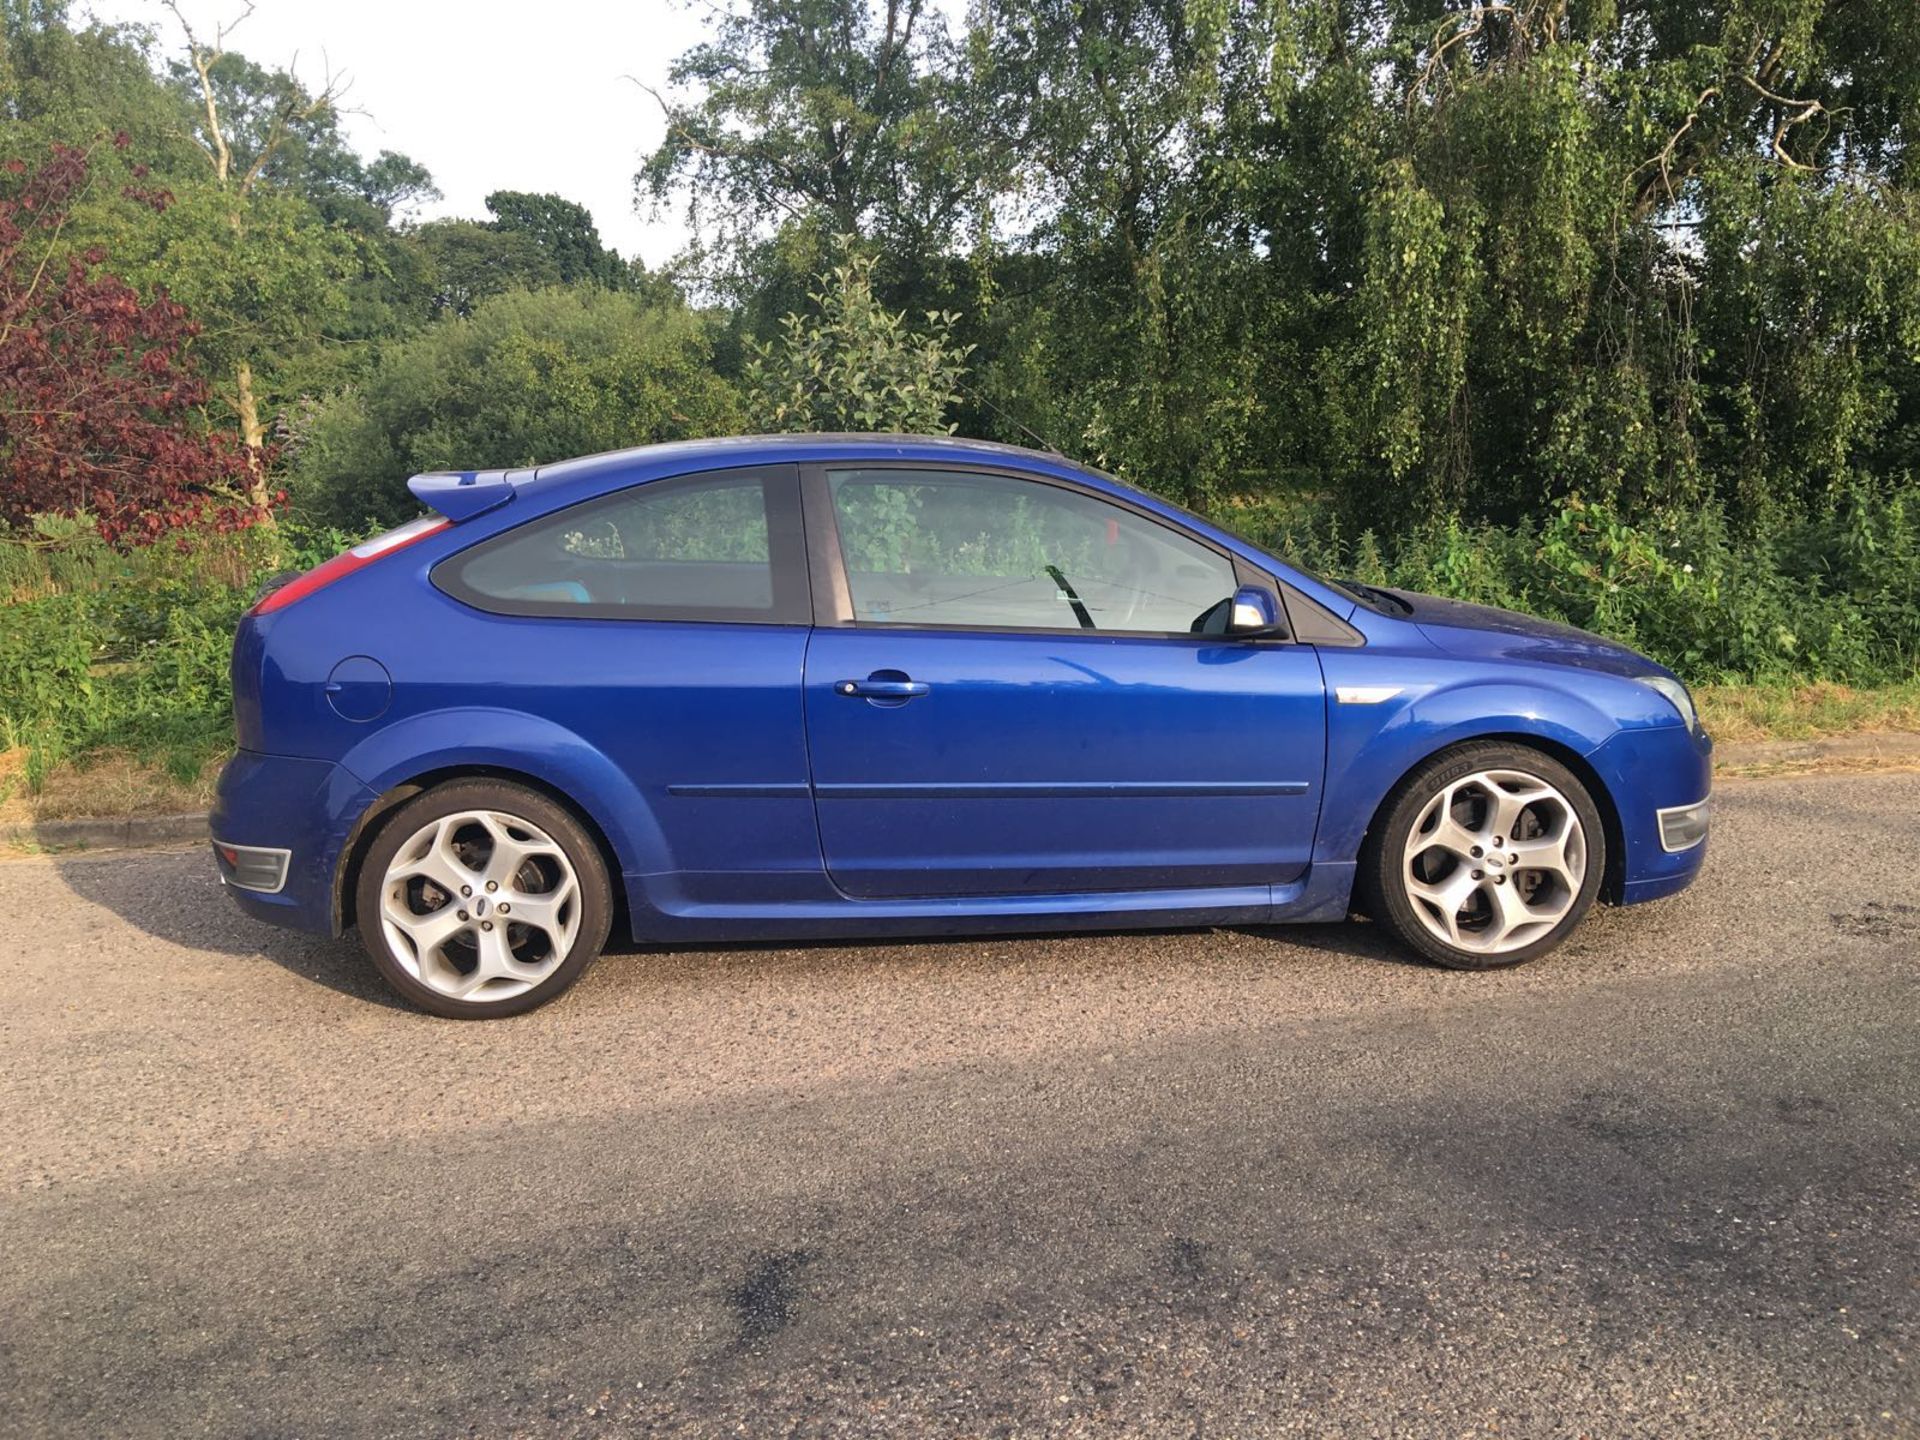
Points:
(1255, 612)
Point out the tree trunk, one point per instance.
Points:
(253, 435)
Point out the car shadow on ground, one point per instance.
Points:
(175, 896)
(1357, 939)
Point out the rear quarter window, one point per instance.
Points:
(721, 547)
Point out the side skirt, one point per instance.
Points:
(667, 908)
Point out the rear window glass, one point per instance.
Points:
(712, 547)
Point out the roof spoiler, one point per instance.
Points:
(463, 494)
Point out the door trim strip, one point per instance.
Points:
(797, 790)
(1056, 790)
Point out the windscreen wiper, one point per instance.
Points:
(1384, 597)
(1079, 608)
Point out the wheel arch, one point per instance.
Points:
(1612, 883)
(403, 759)
(353, 854)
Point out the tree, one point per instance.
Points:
(59, 84)
(262, 127)
(99, 404)
(469, 260)
(305, 290)
(256, 260)
(855, 365)
(531, 377)
(533, 241)
(1464, 258)
(829, 117)
(1590, 241)
(564, 233)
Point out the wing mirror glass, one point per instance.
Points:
(1255, 612)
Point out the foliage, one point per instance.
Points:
(98, 402)
(278, 129)
(468, 260)
(1470, 258)
(533, 241)
(1835, 596)
(114, 649)
(852, 364)
(563, 232)
(844, 118)
(530, 377)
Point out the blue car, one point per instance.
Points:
(792, 687)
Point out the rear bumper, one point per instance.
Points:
(307, 808)
(1663, 768)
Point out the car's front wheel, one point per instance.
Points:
(1488, 856)
(480, 898)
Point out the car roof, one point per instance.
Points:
(676, 456)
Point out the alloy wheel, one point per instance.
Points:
(480, 905)
(1495, 860)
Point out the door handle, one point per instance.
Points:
(877, 689)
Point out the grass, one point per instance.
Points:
(1806, 712)
(107, 784)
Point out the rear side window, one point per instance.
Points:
(722, 546)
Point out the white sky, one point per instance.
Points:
(488, 95)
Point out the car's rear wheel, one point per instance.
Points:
(1488, 856)
(481, 898)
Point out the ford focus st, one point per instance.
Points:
(827, 686)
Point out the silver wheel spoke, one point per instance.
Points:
(1554, 907)
(437, 860)
(427, 932)
(1548, 855)
(1504, 816)
(513, 846)
(496, 963)
(1450, 835)
(543, 912)
(460, 855)
(1511, 919)
(1437, 827)
(1448, 899)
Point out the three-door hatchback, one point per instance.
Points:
(815, 686)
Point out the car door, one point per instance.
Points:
(1022, 686)
(665, 624)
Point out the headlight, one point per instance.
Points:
(1677, 694)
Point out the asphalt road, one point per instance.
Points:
(1226, 1183)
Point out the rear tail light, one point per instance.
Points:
(348, 561)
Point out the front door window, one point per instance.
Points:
(947, 549)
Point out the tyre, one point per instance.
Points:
(480, 898)
(1488, 856)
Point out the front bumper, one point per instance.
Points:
(1655, 774)
(306, 808)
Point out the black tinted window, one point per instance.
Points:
(928, 547)
(723, 546)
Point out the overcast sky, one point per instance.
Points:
(487, 95)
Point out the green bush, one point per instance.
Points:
(47, 692)
(1835, 596)
(532, 377)
(102, 650)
